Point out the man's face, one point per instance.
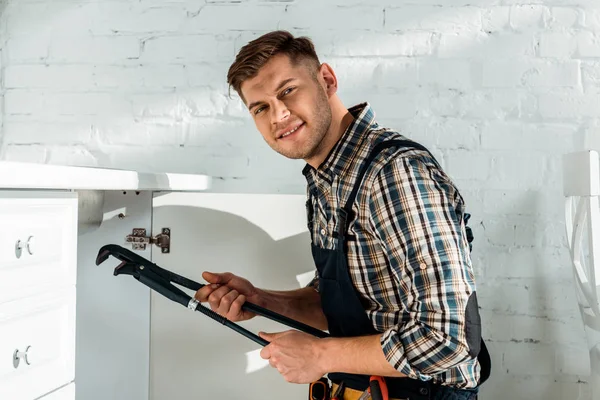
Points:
(289, 106)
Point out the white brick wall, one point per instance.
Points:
(498, 89)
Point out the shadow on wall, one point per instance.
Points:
(190, 353)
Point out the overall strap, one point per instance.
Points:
(346, 213)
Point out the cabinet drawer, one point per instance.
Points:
(65, 393)
(42, 327)
(38, 242)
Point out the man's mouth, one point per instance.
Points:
(291, 131)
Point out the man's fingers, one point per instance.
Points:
(214, 299)
(203, 293)
(270, 336)
(226, 302)
(219, 278)
(235, 311)
(265, 353)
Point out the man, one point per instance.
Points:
(394, 283)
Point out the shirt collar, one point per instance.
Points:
(344, 151)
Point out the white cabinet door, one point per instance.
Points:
(65, 393)
(40, 332)
(38, 242)
(260, 237)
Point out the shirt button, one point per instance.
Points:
(423, 265)
(323, 232)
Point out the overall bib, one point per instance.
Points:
(346, 315)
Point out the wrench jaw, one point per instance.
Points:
(127, 268)
(130, 262)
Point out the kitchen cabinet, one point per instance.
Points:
(68, 328)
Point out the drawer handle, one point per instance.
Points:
(18, 249)
(30, 244)
(18, 355)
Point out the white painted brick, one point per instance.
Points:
(533, 137)
(237, 17)
(129, 17)
(523, 202)
(53, 133)
(94, 49)
(433, 18)
(72, 155)
(26, 153)
(454, 133)
(382, 44)
(525, 386)
(140, 133)
(569, 105)
(526, 17)
(209, 75)
(163, 76)
(512, 171)
(557, 45)
(25, 18)
(300, 16)
(502, 296)
(191, 48)
(117, 77)
(367, 73)
(565, 17)
(178, 106)
(498, 104)
(461, 163)
(393, 106)
(499, 232)
(31, 48)
(495, 19)
(456, 74)
(531, 329)
(572, 360)
(528, 233)
(57, 77)
(485, 46)
(588, 44)
(211, 133)
(50, 106)
(590, 73)
(21, 102)
(591, 19)
(520, 360)
(554, 235)
(536, 73)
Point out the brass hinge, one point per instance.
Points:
(139, 240)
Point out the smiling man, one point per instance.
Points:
(394, 282)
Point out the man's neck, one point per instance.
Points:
(340, 120)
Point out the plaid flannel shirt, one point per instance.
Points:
(408, 252)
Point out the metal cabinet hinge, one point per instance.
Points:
(139, 240)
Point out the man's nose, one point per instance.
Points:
(279, 112)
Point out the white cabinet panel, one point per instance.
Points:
(38, 242)
(260, 237)
(42, 329)
(65, 393)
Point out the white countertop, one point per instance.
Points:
(20, 175)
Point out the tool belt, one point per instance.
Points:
(352, 394)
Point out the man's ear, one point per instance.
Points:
(330, 82)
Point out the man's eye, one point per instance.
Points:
(288, 90)
(259, 109)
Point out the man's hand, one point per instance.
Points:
(296, 355)
(226, 293)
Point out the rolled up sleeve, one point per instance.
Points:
(417, 214)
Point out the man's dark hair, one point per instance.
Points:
(254, 55)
